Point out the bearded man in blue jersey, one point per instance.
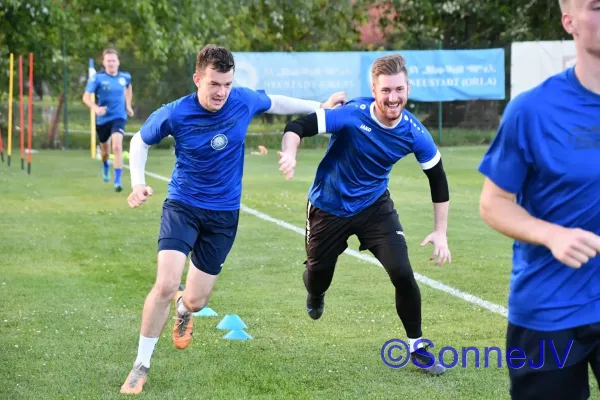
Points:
(542, 189)
(200, 214)
(350, 194)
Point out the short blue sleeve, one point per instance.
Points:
(506, 161)
(257, 100)
(127, 77)
(424, 148)
(91, 85)
(333, 120)
(157, 126)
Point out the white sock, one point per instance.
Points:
(181, 307)
(145, 350)
(412, 344)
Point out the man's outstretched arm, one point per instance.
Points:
(284, 105)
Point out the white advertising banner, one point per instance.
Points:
(534, 62)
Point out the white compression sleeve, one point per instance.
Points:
(138, 154)
(283, 105)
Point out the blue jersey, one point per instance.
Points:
(361, 153)
(547, 152)
(209, 146)
(110, 93)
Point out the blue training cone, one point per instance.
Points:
(206, 312)
(231, 323)
(237, 335)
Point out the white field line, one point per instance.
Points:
(495, 308)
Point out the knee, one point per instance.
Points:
(401, 274)
(195, 303)
(165, 289)
(321, 265)
(116, 148)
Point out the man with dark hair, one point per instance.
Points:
(201, 211)
(542, 189)
(350, 193)
(114, 92)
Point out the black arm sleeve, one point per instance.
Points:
(438, 183)
(304, 126)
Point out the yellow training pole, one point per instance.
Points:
(10, 101)
(93, 129)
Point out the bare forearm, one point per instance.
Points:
(87, 100)
(440, 215)
(512, 220)
(129, 96)
(290, 143)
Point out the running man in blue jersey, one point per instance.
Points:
(114, 92)
(542, 189)
(200, 214)
(350, 194)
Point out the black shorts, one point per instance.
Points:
(327, 235)
(552, 365)
(208, 234)
(105, 131)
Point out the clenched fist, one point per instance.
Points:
(139, 195)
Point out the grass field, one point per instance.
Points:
(76, 264)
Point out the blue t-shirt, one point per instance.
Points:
(209, 146)
(354, 171)
(547, 152)
(110, 93)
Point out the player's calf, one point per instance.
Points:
(117, 148)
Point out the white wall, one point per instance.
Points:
(534, 62)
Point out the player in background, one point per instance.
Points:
(200, 214)
(542, 189)
(114, 94)
(350, 194)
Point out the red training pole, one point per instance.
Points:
(21, 116)
(30, 113)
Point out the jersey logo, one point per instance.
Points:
(122, 81)
(365, 128)
(219, 142)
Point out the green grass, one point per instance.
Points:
(77, 264)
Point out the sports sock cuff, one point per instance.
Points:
(181, 308)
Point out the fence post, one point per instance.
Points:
(65, 89)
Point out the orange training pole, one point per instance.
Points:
(21, 116)
(30, 113)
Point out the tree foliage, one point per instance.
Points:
(157, 39)
(460, 24)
